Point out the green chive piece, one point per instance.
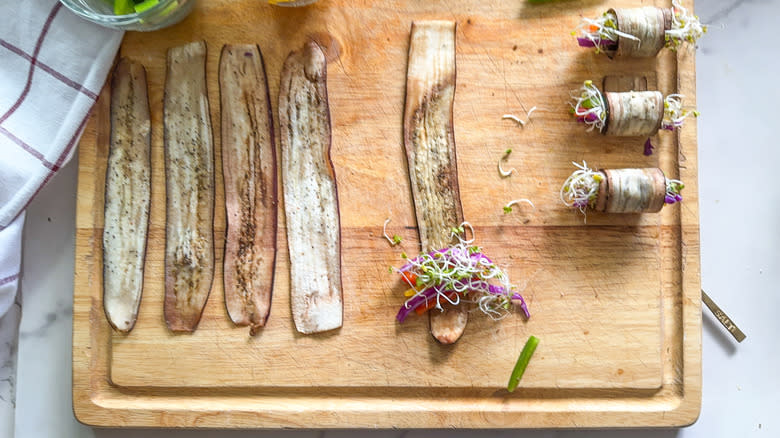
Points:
(171, 8)
(145, 5)
(123, 7)
(522, 363)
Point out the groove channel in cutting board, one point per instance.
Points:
(615, 301)
(596, 330)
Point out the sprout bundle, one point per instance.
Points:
(620, 190)
(626, 114)
(458, 274)
(640, 32)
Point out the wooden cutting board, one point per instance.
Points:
(614, 300)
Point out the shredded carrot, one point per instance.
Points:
(410, 278)
(432, 303)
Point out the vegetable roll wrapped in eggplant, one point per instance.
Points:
(628, 114)
(620, 190)
(640, 32)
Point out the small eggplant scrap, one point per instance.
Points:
(627, 114)
(620, 190)
(128, 196)
(430, 150)
(640, 32)
(310, 196)
(249, 168)
(189, 171)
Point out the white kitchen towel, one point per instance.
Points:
(52, 67)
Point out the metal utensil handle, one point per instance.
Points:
(723, 318)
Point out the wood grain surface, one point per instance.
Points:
(614, 299)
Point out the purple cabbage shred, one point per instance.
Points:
(604, 44)
(649, 147)
(431, 293)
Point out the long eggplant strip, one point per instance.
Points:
(189, 170)
(310, 197)
(128, 196)
(430, 150)
(249, 168)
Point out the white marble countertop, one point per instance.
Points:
(740, 237)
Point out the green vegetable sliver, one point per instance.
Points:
(145, 5)
(522, 363)
(123, 7)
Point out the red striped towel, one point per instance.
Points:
(52, 67)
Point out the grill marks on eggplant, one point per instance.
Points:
(189, 169)
(128, 196)
(249, 168)
(430, 149)
(311, 201)
(434, 174)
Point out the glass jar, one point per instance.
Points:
(163, 14)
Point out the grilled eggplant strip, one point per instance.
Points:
(189, 170)
(430, 150)
(249, 168)
(631, 191)
(310, 198)
(128, 195)
(634, 113)
(648, 25)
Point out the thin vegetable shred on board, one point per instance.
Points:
(128, 195)
(249, 168)
(189, 172)
(310, 197)
(430, 149)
